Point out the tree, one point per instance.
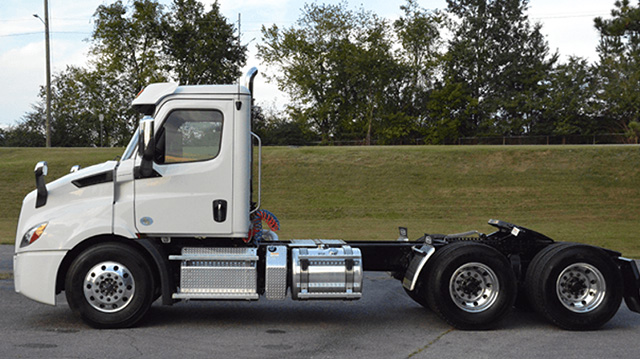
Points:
(418, 33)
(127, 41)
(633, 132)
(309, 60)
(201, 46)
(274, 129)
(132, 46)
(498, 59)
(30, 132)
(339, 68)
(74, 125)
(619, 67)
(79, 97)
(568, 107)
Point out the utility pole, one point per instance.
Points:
(48, 66)
(101, 118)
(239, 43)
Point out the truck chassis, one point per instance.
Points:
(471, 280)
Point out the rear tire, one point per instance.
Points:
(523, 301)
(110, 285)
(469, 285)
(574, 286)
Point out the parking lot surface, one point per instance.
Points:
(385, 323)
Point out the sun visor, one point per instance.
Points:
(148, 98)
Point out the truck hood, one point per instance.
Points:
(85, 176)
(71, 196)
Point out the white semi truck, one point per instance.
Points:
(177, 218)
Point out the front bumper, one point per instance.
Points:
(35, 274)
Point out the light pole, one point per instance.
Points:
(101, 118)
(48, 61)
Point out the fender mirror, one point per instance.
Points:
(146, 146)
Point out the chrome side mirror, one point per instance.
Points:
(146, 146)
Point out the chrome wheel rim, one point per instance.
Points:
(581, 287)
(109, 287)
(474, 287)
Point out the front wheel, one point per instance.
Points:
(469, 285)
(110, 285)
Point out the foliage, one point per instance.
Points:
(275, 129)
(132, 45)
(418, 33)
(201, 47)
(619, 68)
(354, 77)
(498, 58)
(28, 133)
(126, 41)
(568, 105)
(633, 132)
(338, 68)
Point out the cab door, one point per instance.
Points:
(191, 189)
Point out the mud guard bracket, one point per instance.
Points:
(420, 257)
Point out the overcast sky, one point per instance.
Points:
(567, 24)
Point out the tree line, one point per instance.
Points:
(475, 68)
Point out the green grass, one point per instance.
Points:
(586, 194)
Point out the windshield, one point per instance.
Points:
(128, 152)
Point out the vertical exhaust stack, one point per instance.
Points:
(253, 205)
(248, 80)
(249, 77)
(251, 74)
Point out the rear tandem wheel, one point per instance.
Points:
(469, 285)
(574, 286)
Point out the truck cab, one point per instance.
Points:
(197, 185)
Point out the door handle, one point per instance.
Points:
(219, 210)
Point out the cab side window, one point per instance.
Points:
(188, 136)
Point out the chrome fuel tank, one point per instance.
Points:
(328, 270)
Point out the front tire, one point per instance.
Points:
(469, 285)
(110, 285)
(575, 286)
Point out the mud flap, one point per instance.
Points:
(631, 277)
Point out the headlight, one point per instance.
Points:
(33, 234)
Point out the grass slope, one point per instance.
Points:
(585, 194)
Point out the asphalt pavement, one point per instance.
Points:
(385, 323)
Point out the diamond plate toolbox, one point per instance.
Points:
(218, 273)
(276, 272)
